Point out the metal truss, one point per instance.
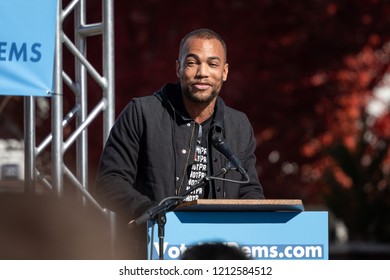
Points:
(79, 114)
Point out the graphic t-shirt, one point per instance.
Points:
(198, 170)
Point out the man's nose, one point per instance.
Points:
(203, 70)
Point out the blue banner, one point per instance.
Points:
(259, 235)
(27, 47)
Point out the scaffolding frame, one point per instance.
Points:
(79, 112)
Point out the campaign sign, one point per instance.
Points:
(259, 235)
(27, 47)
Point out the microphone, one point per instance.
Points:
(220, 145)
(140, 220)
(165, 205)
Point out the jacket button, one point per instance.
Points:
(218, 189)
(215, 159)
(184, 151)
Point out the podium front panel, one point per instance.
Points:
(260, 235)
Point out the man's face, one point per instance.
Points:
(202, 69)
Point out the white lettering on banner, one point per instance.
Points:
(20, 52)
(174, 252)
(278, 251)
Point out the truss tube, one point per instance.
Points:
(109, 91)
(69, 8)
(108, 66)
(49, 138)
(57, 111)
(91, 29)
(43, 179)
(81, 188)
(72, 48)
(81, 98)
(82, 126)
(29, 144)
(68, 81)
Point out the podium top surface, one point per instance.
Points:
(244, 205)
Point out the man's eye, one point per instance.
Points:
(191, 63)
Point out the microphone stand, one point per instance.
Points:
(161, 220)
(157, 213)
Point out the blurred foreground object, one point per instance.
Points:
(46, 227)
(213, 251)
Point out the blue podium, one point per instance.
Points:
(263, 229)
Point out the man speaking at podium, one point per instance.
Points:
(164, 144)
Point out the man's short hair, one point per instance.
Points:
(203, 33)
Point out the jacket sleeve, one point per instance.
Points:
(117, 170)
(252, 190)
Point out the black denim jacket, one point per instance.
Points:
(149, 149)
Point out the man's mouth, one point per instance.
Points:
(202, 86)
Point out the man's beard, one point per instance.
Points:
(201, 100)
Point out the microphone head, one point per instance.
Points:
(217, 142)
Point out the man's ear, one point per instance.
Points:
(178, 68)
(225, 72)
